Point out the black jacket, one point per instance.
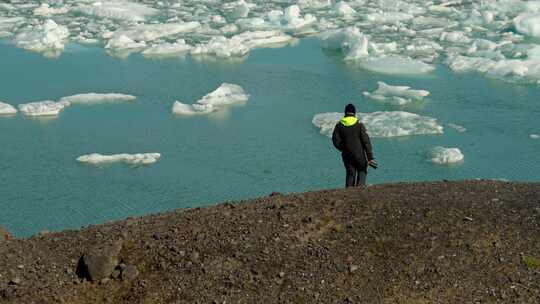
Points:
(350, 137)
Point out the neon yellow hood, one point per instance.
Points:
(348, 121)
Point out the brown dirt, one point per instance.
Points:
(443, 242)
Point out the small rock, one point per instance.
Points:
(15, 281)
(4, 234)
(116, 273)
(353, 268)
(195, 256)
(281, 274)
(104, 281)
(130, 273)
(275, 194)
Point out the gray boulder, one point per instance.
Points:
(100, 261)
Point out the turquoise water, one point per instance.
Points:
(267, 145)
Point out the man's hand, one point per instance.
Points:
(373, 163)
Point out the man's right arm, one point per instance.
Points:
(336, 139)
(366, 142)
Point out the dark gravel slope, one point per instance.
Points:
(443, 242)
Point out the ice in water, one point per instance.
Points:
(397, 95)
(444, 156)
(43, 108)
(383, 124)
(6, 109)
(227, 94)
(129, 159)
(94, 98)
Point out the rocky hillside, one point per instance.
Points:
(443, 242)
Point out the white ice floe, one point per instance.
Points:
(93, 98)
(528, 24)
(43, 108)
(534, 136)
(6, 109)
(139, 36)
(395, 65)
(129, 159)
(163, 49)
(120, 10)
(383, 124)
(350, 41)
(239, 45)
(396, 95)
(456, 127)
(444, 156)
(45, 10)
(44, 37)
(226, 94)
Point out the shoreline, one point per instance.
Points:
(455, 242)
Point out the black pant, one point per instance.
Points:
(356, 172)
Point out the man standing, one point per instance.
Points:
(351, 139)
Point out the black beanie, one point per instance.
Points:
(350, 109)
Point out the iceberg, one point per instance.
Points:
(163, 49)
(534, 136)
(444, 156)
(46, 37)
(350, 41)
(458, 128)
(129, 159)
(45, 10)
(383, 124)
(395, 65)
(396, 95)
(6, 109)
(119, 10)
(93, 98)
(43, 108)
(226, 94)
(528, 24)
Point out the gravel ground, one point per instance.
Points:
(440, 242)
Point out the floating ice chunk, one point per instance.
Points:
(136, 37)
(383, 124)
(528, 24)
(119, 10)
(241, 9)
(45, 10)
(239, 45)
(341, 8)
(313, 4)
(455, 37)
(292, 19)
(350, 41)
(43, 108)
(457, 127)
(178, 47)
(94, 98)
(445, 156)
(534, 136)
(388, 17)
(6, 109)
(45, 37)
(395, 65)
(129, 159)
(397, 95)
(226, 94)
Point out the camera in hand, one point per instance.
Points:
(373, 164)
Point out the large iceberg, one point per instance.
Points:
(350, 41)
(93, 98)
(48, 38)
(226, 94)
(397, 95)
(120, 10)
(444, 156)
(129, 159)
(528, 24)
(395, 65)
(383, 124)
(7, 109)
(42, 108)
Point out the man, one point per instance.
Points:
(351, 139)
